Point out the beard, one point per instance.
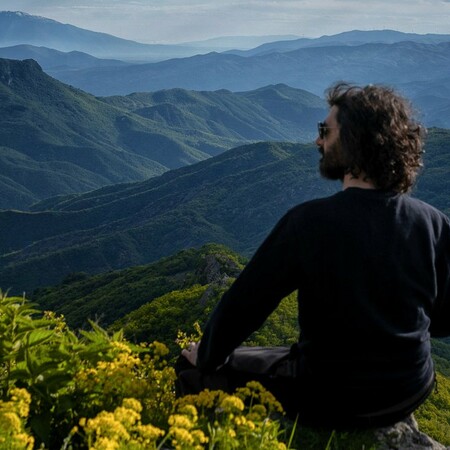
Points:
(332, 165)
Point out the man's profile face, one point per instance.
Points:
(332, 164)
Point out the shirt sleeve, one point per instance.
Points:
(269, 276)
(440, 320)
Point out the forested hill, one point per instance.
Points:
(108, 297)
(234, 199)
(59, 140)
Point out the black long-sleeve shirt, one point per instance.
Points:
(372, 270)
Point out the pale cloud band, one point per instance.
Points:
(183, 20)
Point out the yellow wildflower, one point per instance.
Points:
(159, 349)
(181, 421)
(199, 437)
(259, 410)
(132, 403)
(204, 399)
(121, 346)
(104, 424)
(149, 433)
(24, 441)
(181, 436)
(248, 424)
(22, 398)
(104, 443)
(126, 416)
(10, 421)
(231, 404)
(189, 410)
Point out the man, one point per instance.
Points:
(372, 270)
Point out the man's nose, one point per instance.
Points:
(319, 141)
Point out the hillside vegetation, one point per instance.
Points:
(233, 199)
(109, 296)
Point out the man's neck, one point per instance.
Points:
(359, 182)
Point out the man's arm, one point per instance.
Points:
(440, 321)
(271, 274)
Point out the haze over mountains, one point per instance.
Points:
(416, 64)
(17, 28)
(21, 28)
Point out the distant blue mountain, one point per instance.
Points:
(50, 59)
(408, 66)
(20, 28)
(17, 28)
(355, 37)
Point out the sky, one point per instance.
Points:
(178, 21)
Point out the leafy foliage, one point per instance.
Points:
(95, 389)
(71, 377)
(100, 391)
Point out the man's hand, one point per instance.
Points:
(190, 353)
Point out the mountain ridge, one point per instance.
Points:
(21, 28)
(312, 69)
(352, 38)
(138, 223)
(233, 199)
(57, 139)
(51, 59)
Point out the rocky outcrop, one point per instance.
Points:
(405, 435)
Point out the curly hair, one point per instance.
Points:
(378, 134)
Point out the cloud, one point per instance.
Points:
(183, 20)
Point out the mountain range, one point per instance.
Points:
(312, 69)
(18, 28)
(417, 69)
(415, 64)
(234, 199)
(56, 139)
(55, 60)
(352, 38)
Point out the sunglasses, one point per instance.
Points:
(323, 129)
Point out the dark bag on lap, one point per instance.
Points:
(244, 363)
(263, 361)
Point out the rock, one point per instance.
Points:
(405, 435)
